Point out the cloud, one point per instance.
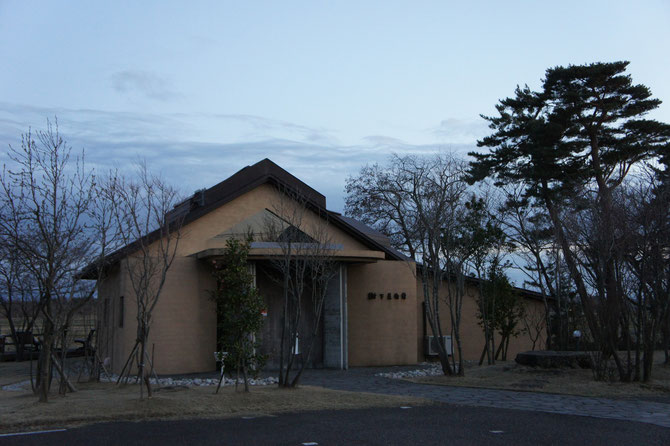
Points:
(245, 127)
(381, 140)
(144, 83)
(460, 130)
(199, 150)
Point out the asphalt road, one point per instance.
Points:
(428, 425)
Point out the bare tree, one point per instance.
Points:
(538, 256)
(19, 304)
(306, 266)
(141, 206)
(534, 321)
(526, 227)
(284, 228)
(50, 219)
(378, 197)
(481, 229)
(322, 268)
(419, 202)
(644, 208)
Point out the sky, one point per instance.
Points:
(202, 89)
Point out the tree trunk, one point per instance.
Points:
(441, 351)
(506, 349)
(484, 352)
(12, 331)
(125, 371)
(61, 371)
(283, 332)
(237, 374)
(638, 340)
(666, 347)
(62, 388)
(432, 306)
(46, 352)
(500, 348)
(140, 366)
(571, 262)
(45, 363)
(246, 380)
(457, 337)
(315, 329)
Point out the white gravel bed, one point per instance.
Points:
(198, 382)
(429, 369)
(164, 382)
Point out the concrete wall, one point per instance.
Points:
(335, 354)
(381, 331)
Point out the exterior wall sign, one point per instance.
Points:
(388, 296)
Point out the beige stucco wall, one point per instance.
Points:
(184, 325)
(116, 342)
(197, 235)
(472, 335)
(108, 289)
(381, 331)
(183, 330)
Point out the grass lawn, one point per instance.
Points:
(97, 402)
(509, 375)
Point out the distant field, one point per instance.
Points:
(82, 324)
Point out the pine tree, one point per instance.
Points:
(572, 144)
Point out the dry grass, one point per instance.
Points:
(511, 376)
(106, 402)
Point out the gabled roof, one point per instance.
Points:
(267, 172)
(263, 172)
(243, 181)
(372, 233)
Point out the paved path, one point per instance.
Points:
(364, 379)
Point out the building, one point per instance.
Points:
(372, 315)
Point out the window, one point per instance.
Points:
(121, 311)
